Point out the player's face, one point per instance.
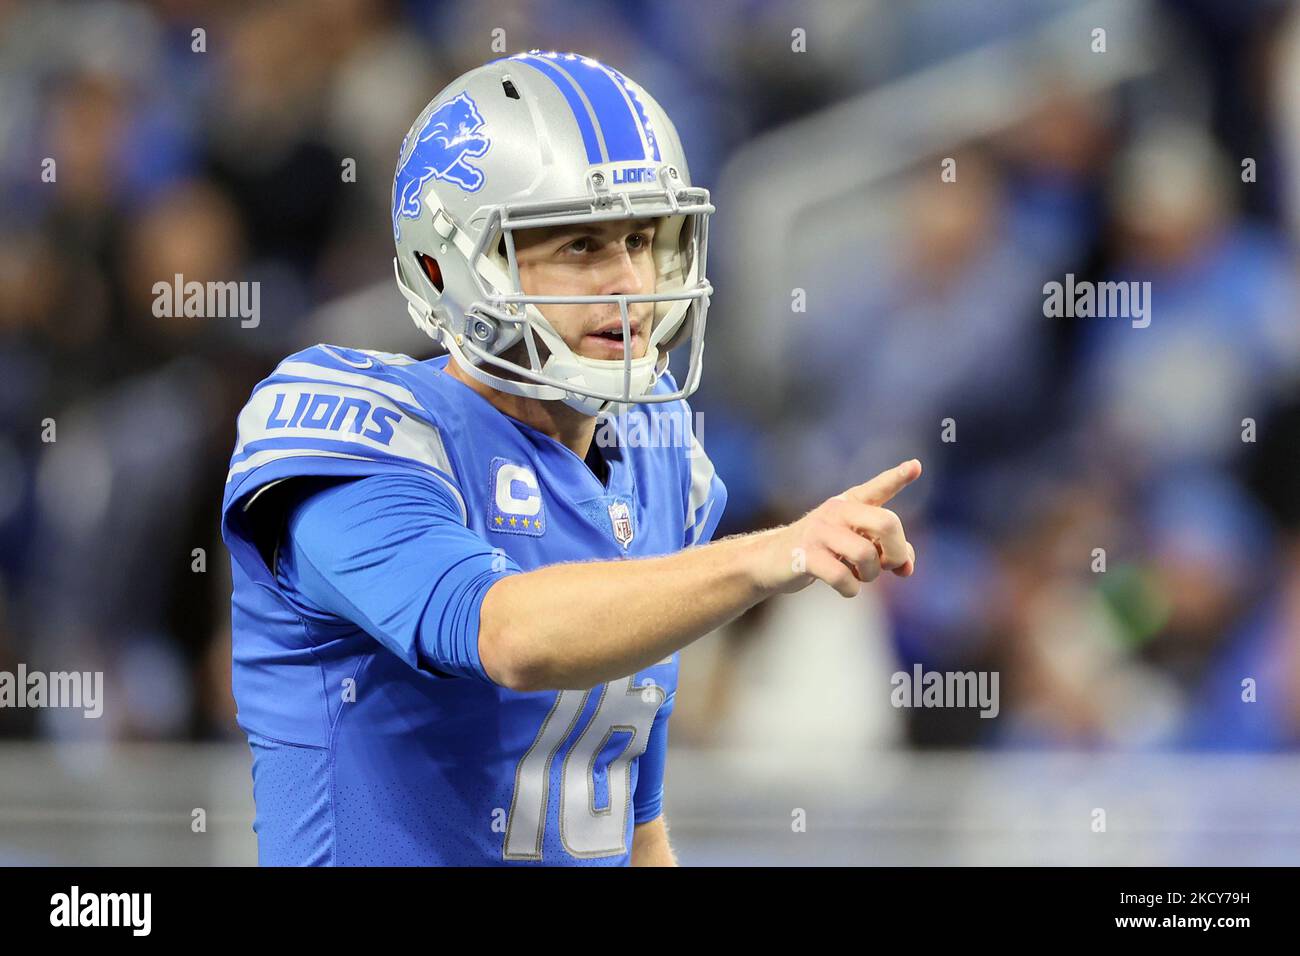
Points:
(603, 258)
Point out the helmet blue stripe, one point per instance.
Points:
(640, 112)
(579, 108)
(618, 122)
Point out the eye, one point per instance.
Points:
(639, 241)
(578, 246)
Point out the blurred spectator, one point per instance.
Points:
(1223, 340)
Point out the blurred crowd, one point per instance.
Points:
(221, 155)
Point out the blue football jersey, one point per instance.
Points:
(372, 500)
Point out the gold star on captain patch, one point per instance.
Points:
(537, 524)
(513, 522)
(499, 520)
(525, 522)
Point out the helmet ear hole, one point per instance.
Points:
(432, 270)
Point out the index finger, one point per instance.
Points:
(885, 485)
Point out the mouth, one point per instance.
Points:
(607, 342)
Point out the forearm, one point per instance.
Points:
(578, 625)
(650, 846)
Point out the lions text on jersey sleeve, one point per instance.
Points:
(371, 501)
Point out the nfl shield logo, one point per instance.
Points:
(620, 518)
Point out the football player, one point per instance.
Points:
(461, 584)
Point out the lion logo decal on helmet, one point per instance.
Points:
(449, 138)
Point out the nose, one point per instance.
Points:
(619, 275)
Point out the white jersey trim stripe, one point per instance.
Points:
(701, 481)
(275, 454)
(323, 372)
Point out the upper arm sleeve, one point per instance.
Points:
(390, 554)
(648, 800)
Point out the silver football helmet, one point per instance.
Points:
(534, 140)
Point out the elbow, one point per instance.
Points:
(508, 661)
(502, 646)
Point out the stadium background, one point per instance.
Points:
(1119, 690)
